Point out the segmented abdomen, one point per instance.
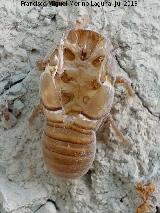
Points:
(69, 150)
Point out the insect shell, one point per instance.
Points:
(76, 95)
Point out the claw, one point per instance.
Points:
(127, 85)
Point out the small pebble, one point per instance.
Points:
(17, 107)
(8, 119)
(47, 21)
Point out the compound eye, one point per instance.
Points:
(98, 61)
(68, 54)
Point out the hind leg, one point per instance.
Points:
(116, 131)
(112, 125)
(109, 119)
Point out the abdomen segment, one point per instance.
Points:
(68, 152)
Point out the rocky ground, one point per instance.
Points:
(27, 33)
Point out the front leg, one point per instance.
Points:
(126, 83)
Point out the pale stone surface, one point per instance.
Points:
(3, 85)
(13, 196)
(18, 106)
(27, 34)
(17, 89)
(47, 208)
(17, 78)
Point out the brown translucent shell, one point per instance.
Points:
(48, 92)
(77, 90)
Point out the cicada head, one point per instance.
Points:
(82, 74)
